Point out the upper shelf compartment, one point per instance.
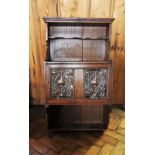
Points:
(78, 31)
(78, 39)
(78, 28)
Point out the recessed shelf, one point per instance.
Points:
(78, 38)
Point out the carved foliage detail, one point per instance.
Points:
(95, 83)
(62, 83)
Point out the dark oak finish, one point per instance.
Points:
(78, 72)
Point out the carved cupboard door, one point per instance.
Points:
(77, 85)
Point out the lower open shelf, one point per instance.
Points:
(78, 117)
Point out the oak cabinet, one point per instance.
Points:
(78, 72)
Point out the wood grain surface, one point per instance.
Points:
(75, 8)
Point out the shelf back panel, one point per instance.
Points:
(65, 31)
(95, 32)
(66, 50)
(94, 50)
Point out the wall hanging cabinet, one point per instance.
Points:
(78, 73)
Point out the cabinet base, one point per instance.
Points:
(78, 117)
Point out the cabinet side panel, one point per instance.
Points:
(47, 81)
